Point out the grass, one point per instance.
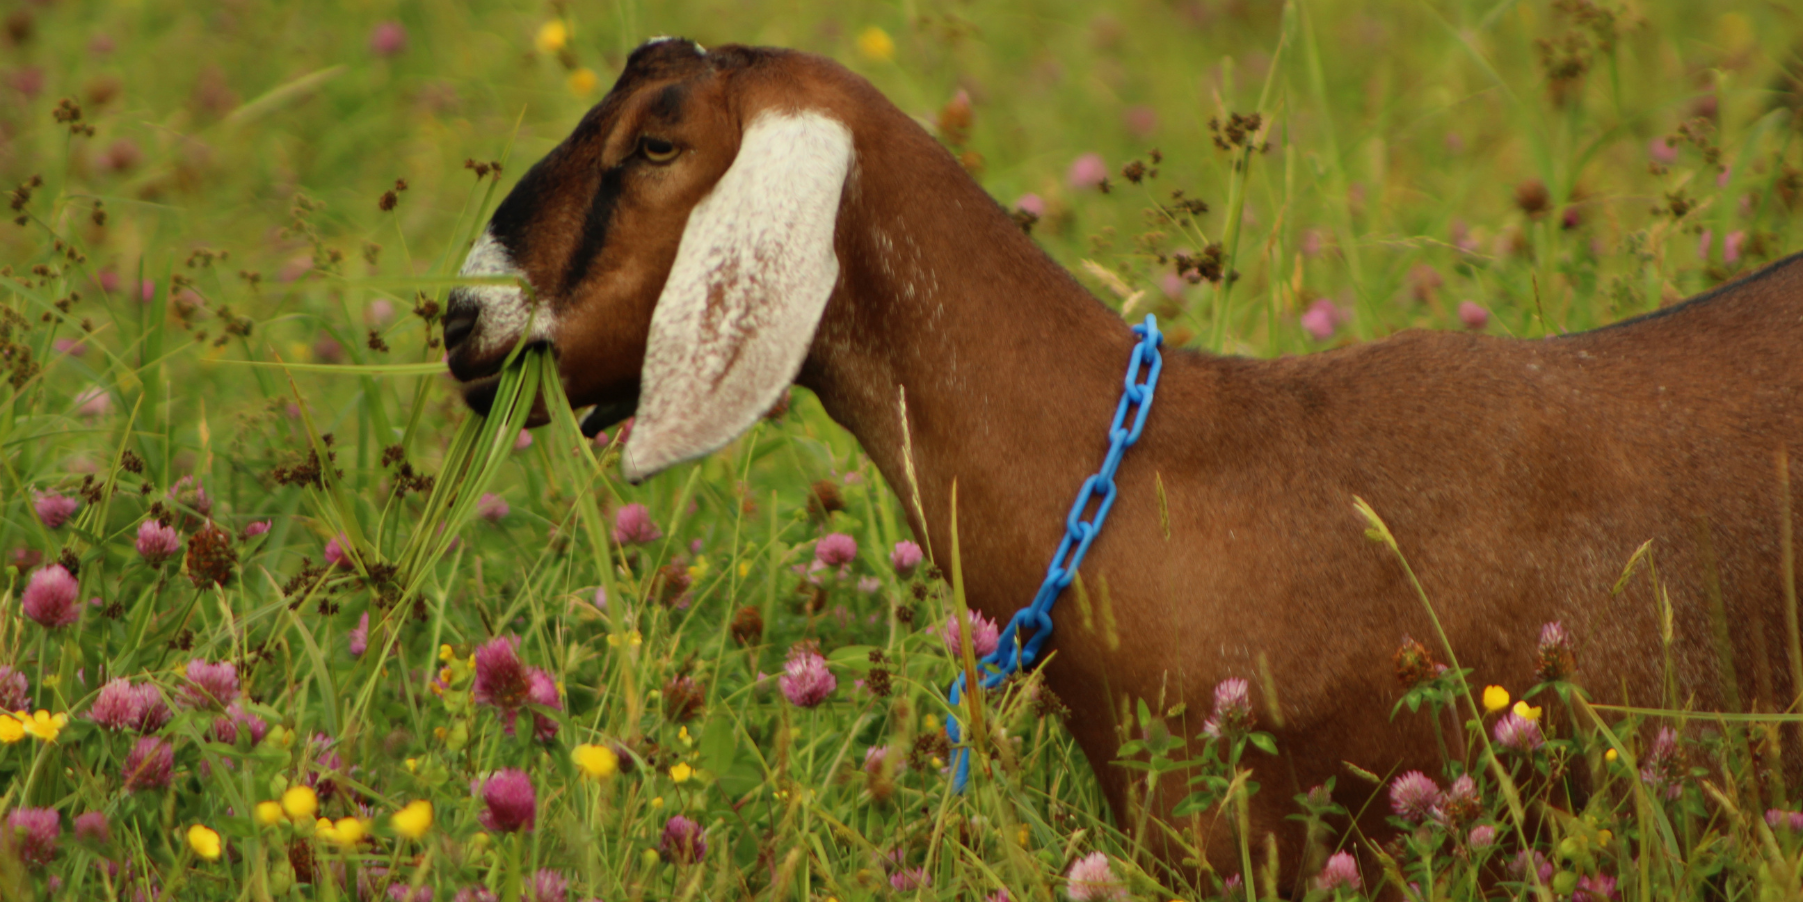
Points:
(209, 291)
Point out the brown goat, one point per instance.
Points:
(727, 222)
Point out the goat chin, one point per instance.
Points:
(847, 250)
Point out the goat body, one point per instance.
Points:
(1519, 477)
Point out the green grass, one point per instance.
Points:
(1419, 156)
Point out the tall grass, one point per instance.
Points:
(214, 318)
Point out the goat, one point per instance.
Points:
(724, 223)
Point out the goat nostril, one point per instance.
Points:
(458, 325)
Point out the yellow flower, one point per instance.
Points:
(1496, 698)
(596, 761)
(323, 829)
(631, 638)
(446, 654)
(268, 813)
(43, 724)
(583, 82)
(681, 772)
(1610, 756)
(657, 802)
(300, 802)
(348, 831)
(876, 45)
(11, 730)
(744, 569)
(1523, 711)
(204, 842)
(552, 36)
(414, 819)
(412, 765)
(931, 722)
(683, 734)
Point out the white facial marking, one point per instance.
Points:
(502, 309)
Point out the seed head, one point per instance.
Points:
(211, 557)
(748, 625)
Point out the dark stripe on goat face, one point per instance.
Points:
(513, 218)
(594, 227)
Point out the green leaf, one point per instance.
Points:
(718, 745)
(1264, 741)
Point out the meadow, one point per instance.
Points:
(280, 618)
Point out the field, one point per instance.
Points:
(282, 619)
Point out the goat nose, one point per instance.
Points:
(459, 321)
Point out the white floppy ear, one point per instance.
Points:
(749, 284)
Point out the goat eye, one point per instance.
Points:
(657, 150)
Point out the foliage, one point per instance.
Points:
(235, 226)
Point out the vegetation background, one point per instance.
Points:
(236, 220)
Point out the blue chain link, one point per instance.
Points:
(1034, 622)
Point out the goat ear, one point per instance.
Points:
(745, 293)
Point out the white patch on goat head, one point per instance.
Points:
(746, 291)
(502, 309)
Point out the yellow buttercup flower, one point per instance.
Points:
(552, 36)
(11, 730)
(348, 831)
(583, 82)
(596, 761)
(43, 724)
(1525, 712)
(414, 819)
(1611, 755)
(681, 772)
(300, 802)
(657, 802)
(876, 44)
(268, 813)
(1496, 698)
(204, 842)
(323, 829)
(446, 654)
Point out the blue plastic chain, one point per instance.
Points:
(1015, 650)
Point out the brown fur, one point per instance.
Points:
(1518, 476)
